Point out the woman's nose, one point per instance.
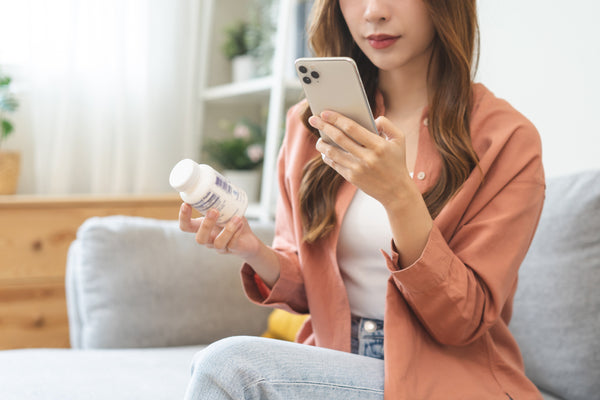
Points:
(376, 11)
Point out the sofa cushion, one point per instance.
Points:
(556, 317)
(67, 374)
(284, 325)
(139, 282)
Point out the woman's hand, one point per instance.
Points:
(235, 237)
(375, 164)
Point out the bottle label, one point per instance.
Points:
(222, 183)
(223, 197)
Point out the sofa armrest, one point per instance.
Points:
(140, 282)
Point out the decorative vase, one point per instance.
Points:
(248, 180)
(10, 163)
(242, 68)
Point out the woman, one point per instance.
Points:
(403, 247)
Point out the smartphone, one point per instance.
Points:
(333, 83)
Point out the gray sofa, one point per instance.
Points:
(143, 298)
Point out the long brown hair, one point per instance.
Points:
(454, 52)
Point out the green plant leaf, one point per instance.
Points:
(8, 103)
(241, 148)
(235, 43)
(5, 81)
(231, 153)
(7, 128)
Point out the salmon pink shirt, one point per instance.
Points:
(447, 315)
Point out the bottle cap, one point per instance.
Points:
(183, 175)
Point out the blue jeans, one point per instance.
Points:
(267, 369)
(367, 337)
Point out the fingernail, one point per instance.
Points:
(326, 115)
(313, 121)
(212, 213)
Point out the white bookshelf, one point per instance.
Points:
(263, 99)
(251, 90)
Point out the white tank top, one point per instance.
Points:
(365, 231)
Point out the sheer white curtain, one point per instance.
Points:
(110, 92)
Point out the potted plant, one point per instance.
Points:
(238, 46)
(240, 154)
(249, 43)
(9, 160)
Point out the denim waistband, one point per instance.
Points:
(367, 337)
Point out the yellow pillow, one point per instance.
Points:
(284, 325)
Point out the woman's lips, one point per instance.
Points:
(381, 41)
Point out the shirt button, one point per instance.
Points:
(370, 326)
(421, 175)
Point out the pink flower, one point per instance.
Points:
(255, 152)
(241, 131)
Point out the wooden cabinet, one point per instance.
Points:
(35, 234)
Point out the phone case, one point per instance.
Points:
(333, 83)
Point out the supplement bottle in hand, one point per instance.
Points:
(203, 188)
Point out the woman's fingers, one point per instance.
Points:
(223, 239)
(208, 232)
(388, 129)
(186, 223)
(205, 227)
(205, 234)
(331, 151)
(345, 132)
(334, 134)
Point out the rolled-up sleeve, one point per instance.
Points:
(459, 286)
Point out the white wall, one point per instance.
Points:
(543, 56)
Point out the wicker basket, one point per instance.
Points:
(9, 171)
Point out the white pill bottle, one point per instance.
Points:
(203, 188)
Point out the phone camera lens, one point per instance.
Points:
(315, 74)
(306, 80)
(302, 69)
